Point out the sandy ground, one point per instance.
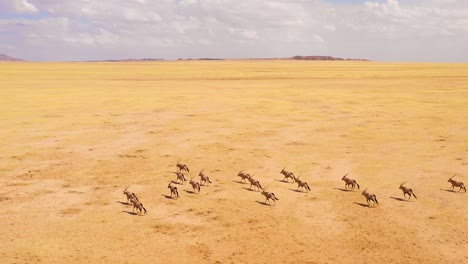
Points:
(73, 135)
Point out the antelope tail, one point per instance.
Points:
(208, 179)
(357, 185)
(143, 208)
(414, 194)
(307, 186)
(375, 197)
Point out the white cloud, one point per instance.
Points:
(23, 6)
(17, 7)
(412, 30)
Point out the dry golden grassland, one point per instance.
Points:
(73, 135)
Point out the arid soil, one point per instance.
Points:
(73, 135)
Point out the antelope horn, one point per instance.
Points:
(126, 188)
(453, 176)
(403, 183)
(346, 174)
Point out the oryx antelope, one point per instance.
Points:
(456, 184)
(408, 191)
(203, 178)
(129, 195)
(195, 185)
(269, 195)
(173, 190)
(349, 181)
(287, 175)
(243, 175)
(370, 197)
(182, 167)
(180, 176)
(138, 205)
(301, 184)
(255, 183)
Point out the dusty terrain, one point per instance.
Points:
(73, 135)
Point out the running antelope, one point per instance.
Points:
(408, 191)
(255, 183)
(456, 184)
(173, 190)
(129, 195)
(243, 175)
(301, 184)
(203, 178)
(287, 175)
(370, 197)
(349, 181)
(138, 205)
(269, 195)
(180, 176)
(195, 185)
(182, 167)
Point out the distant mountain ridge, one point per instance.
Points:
(4, 57)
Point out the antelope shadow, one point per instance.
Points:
(364, 205)
(130, 213)
(240, 182)
(296, 190)
(263, 203)
(448, 190)
(285, 181)
(168, 196)
(343, 190)
(400, 199)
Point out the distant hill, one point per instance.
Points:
(323, 58)
(127, 60)
(315, 58)
(4, 57)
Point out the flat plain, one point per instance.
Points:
(73, 135)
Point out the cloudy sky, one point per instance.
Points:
(382, 30)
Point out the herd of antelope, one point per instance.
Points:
(350, 184)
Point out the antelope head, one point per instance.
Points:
(451, 178)
(282, 171)
(401, 185)
(126, 188)
(170, 185)
(364, 192)
(240, 173)
(201, 172)
(344, 177)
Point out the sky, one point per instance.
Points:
(379, 30)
